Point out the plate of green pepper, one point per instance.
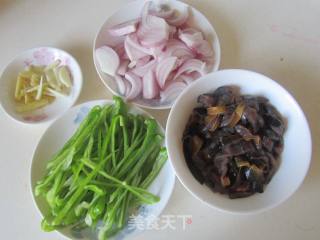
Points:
(99, 164)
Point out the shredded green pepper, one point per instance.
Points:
(103, 171)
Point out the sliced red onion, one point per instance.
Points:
(159, 55)
(128, 87)
(186, 78)
(158, 51)
(142, 70)
(136, 85)
(172, 31)
(150, 88)
(120, 84)
(108, 60)
(125, 56)
(190, 37)
(122, 69)
(169, 79)
(172, 91)
(194, 40)
(195, 75)
(133, 48)
(184, 58)
(161, 10)
(120, 50)
(140, 62)
(209, 61)
(145, 10)
(153, 30)
(178, 49)
(143, 61)
(164, 68)
(132, 64)
(113, 41)
(189, 30)
(124, 28)
(192, 65)
(204, 49)
(179, 18)
(175, 42)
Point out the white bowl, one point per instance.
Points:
(295, 158)
(54, 138)
(133, 10)
(39, 56)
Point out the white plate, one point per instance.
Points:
(295, 158)
(55, 137)
(39, 56)
(132, 11)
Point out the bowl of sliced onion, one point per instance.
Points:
(148, 52)
(40, 84)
